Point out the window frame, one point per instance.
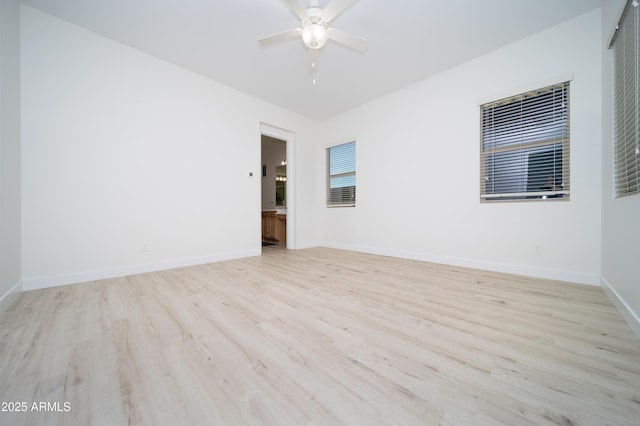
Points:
(554, 137)
(626, 102)
(345, 174)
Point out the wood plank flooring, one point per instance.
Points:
(319, 336)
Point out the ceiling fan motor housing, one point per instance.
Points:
(315, 16)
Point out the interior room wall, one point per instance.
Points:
(132, 164)
(620, 227)
(418, 165)
(10, 240)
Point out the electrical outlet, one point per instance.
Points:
(538, 249)
(144, 247)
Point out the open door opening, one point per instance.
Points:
(274, 192)
(277, 195)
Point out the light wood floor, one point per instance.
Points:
(320, 336)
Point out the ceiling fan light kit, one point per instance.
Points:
(314, 36)
(314, 32)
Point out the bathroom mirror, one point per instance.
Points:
(281, 185)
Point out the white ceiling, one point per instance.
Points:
(409, 40)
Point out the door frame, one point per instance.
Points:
(289, 137)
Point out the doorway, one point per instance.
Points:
(277, 188)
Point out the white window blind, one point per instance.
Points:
(525, 146)
(341, 175)
(625, 97)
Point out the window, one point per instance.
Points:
(341, 175)
(525, 146)
(625, 98)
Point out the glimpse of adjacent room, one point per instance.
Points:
(274, 192)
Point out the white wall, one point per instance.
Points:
(131, 164)
(620, 216)
(418, 166)
(9, 148)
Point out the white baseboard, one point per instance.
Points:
(631, 317)
(551, 274)
(81, 277)
(301, 246)
(10, 296)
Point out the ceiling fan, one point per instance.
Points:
(313, 29)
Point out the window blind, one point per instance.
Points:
(625, 98)
(341, 175)
(525, 146)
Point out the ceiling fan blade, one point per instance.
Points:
(349, 40)
(336, 7)
(280, 37)
(314, 54)
(295, 7)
